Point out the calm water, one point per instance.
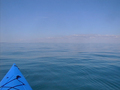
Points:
(64, 66)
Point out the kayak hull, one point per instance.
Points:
(14, 80)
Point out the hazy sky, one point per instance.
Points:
(23, 20)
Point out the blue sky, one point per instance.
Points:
(31, 20)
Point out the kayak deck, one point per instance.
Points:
(14, 80)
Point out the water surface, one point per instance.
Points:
(64, 66)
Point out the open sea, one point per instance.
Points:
(64, 66)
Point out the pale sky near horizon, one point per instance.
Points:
(34, 19)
